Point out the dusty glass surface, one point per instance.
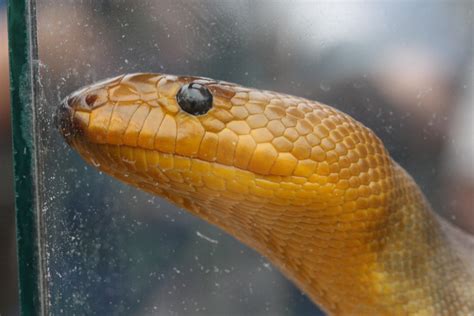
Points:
(401, 69)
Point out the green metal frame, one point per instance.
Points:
(23, 71)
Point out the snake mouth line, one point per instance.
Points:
(74, 131)
(95, 151)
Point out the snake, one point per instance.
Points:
(302, 183)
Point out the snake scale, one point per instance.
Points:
(302, 183)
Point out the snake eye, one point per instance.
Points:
(194, 98)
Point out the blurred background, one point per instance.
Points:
(405, 69)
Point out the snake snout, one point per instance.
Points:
(63, 118)
(66, 119)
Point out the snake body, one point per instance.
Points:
(300, 182)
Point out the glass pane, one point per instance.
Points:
(401, 69)
(22, 53)
(112, 249)
(8, 262)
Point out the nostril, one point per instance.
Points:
(90, 99)
(71, 100)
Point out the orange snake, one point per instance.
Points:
(302, 183)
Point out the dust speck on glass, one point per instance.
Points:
(111, 249)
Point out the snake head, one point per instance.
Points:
(187, 137)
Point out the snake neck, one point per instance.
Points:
(396, 262)
(418, 269)
(384, 256)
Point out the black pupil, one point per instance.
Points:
(194, 98)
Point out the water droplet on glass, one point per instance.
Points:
(95, 163)
(358, 85)
(325, 86)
